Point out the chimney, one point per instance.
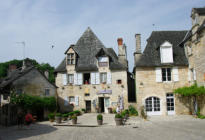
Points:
(122, 52)
(12, 67)
(26, 63)
(120, 41)
(46, 73)
(138, 43)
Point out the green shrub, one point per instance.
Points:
(83, 110)
(74, 117)
(51, 116)
(132, 110)
(65, 115)
(198, 114)
(58, 115)
(118, 116)
(99, 117)
(77, 112)
(114, 111)
(70, 113)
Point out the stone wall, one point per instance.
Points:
(80, 90)
(34, 83)
(146, 86)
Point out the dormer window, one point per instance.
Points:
(166, 52)
(102, 61)
(70, 59)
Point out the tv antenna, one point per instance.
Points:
(24, 46)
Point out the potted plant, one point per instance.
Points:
(109, 110)
(83, 110)
(51, 117)
(74, 119)
(77, 112)
(65, 117)
(58, 117)
(118, 119)
(100, 119)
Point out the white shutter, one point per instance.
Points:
(167, 55)
(80, 78)
(65, 79)
(158, 74)
(189, 75)
(76, 100)
(75, 79)
(97, 78)
(109, 78)
(194, 74)
(93, 78)
(175, 74)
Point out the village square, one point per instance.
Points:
(95, 92)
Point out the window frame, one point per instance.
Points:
(70, 97)
(166, 45)
(166, 75)
(71, 59)
(72, 79)
(47, 89)
(103, 77)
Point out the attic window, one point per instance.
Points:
(102, 61)
(70, 59)
(166, 52)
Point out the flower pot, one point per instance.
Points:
(74, 121)
(65, 118)
(110, 110)
(51, 120)
(100, 122)
(58, 119)
(118, 121)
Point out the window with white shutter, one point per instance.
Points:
(158, 72)
(175, 74)
(166, 53)
(166, 74)
(70, 78)
(75, 79)
(109, 78)
(80, 78)
(103, 77)
(97, 78)
(64, 79)
(76, 100)
(93, 78)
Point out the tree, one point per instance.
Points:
(41, 67)
(193, 92)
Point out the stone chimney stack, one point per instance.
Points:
(122, 52)
(12, 67)
(138, 51)
(138, 43)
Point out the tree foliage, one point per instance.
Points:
(42, 67)
(33, 103)
(193, 90)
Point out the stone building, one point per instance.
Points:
(92, 77)
(160, 69)
(26, 79)
(194, 44)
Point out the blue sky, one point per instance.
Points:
(43, 23)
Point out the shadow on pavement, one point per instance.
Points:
(15, 133)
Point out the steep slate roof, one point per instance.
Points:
(16, 74)
(201, 27)
(200, 11)
(151, 54)
(87, 47)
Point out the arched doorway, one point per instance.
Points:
(152, 105)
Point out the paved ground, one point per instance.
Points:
(156, 128)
